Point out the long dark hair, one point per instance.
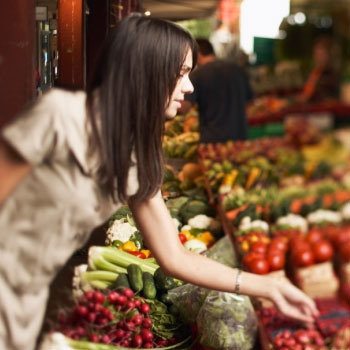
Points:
(135, 76)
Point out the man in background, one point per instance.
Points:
(221, 90)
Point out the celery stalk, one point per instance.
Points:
(97, 261)
(106, 276)
(115, 260)
(100, 284)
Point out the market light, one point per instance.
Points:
(300, 18)
(291, 20)
(261, 19)
(326, 22)
(147, 13)
(282, 34)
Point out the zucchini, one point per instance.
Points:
(121, 282)
(162, 281)
(149, 290)
(135, 277)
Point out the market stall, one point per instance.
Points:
(276, 206)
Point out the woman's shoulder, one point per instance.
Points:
(63, 99)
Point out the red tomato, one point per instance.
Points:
(303, 257)
(299, 244)
(331, 232)
(323, 251)
(342, 236)
(183, 238)
(314, 235)
(276, 260)
(259, 266)
(248, 258)
(258, 247)
(278, 243)
(344, 250)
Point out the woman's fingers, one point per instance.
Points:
(291, 310)
(296, 296)
(292, 302)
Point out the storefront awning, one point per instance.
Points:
(180, 9)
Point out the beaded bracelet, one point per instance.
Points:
(238, 281)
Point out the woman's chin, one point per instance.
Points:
(170, 114)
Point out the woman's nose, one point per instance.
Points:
(187, 86)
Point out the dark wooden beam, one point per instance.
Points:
(17, 57)
(71, 44)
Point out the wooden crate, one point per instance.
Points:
(317, 281)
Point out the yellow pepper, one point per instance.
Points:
(230, 178)
(245, 246)
(207, 238)
(252, 177)
(128, 246)
(187, 234)
(265, 239)
(146, 252)
(253, 239)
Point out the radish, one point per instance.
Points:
(147, 323)
(137, 341)
(145, 308)
(147, 335)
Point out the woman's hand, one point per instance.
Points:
(292, 302)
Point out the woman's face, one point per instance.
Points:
(183, 86)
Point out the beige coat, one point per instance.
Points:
(50, 214)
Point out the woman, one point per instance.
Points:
(71, 159)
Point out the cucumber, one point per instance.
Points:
(162, 281)
(135, 277)
(121, 282)
(149, 290)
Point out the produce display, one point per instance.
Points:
(181, 136)
(286, 204)
(272, 108)
(286, 208)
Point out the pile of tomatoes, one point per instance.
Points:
(340, 238)
(262, 254)
(264, 257)
(311, 248)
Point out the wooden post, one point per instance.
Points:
(71, 44)
(97, 26)
(17, 57)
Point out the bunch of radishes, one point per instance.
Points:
(302, 339)
(112, 318)
(341, 340)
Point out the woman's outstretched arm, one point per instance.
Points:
(155, 223)
(13, 168)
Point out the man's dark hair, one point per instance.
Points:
(205, 47)
(134, 78)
